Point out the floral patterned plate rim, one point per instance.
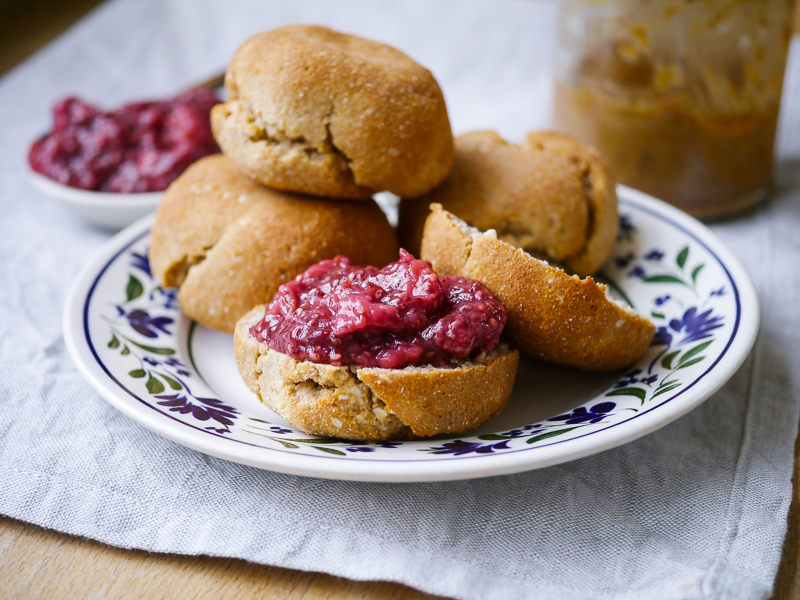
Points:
(128, 338)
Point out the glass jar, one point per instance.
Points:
(680, 96)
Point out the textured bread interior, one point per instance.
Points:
(373, 403)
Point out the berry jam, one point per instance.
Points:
(404, 314)
(141, 147)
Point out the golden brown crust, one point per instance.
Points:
(551, 315)
(550, 196)
(374, 404)
(315, 111)
(600, 191)
(229, 243)
(446, 400)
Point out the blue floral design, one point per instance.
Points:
(461, 447)
(527, 430)
(638, 271)
(662, 299)
(389, 444)
(169, 295)
(654, 254)
(218, 430)
(280, 430)
(625, 223)
(662, 337)
(720, 292)
(141, 261)
(580, 415)
(211, 408)
(624, 261)
(629, 378)
(141, 321)
(696, 326)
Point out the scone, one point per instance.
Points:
(229, 243)
(551, 196)
(374, 354)
(373, 403)
(315, 111)
(551, 315)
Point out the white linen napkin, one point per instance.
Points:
(695, 510)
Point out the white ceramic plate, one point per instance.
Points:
(103, 209)
(129, 339)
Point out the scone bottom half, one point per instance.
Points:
(374, 404)
(552, 316)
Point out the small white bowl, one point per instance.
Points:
(103, 209)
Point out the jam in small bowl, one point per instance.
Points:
(112, 166)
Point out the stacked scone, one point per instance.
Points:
(268, 241)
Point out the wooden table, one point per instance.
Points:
(39, 563)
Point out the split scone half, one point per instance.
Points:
(360, 403)
(551, 315)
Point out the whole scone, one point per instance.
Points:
(551, 315)
(229, 243)
(316, 111)
(372, 403)
(551, 196)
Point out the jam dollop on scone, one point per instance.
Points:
(395, 317)
(319, 112)
(366, 353)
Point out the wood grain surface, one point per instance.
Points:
(39, 563)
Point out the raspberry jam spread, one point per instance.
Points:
(402, 315)
(141, 147)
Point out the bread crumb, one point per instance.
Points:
(336, 422)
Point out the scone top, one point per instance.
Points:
(320, 112)
(549, 195)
